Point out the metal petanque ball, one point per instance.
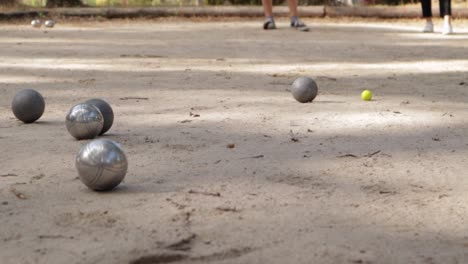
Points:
(49, 23)
(101, 164)
(106, 111)
(36, 23)
(28, 105)
(304, 89)
(84, 121)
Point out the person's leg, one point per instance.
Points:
(292, 4)
(445, 8)
(427, 14)
(268, 9)
(446, 13)
(295, 21)
(426, 8)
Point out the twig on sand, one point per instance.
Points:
(8, 175)
(227, 209)
(216, 194)
(54, 237)
(159, 258)
(134, 98)
(182, 244)
(347, 155)
(253, 157)
(372, 154)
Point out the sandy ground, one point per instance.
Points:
(338, 180)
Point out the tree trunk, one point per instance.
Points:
(63, 3)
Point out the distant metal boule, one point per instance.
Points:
(36, 23)
(84, 121)
(304, 89)
(106, 111)
(101, 164)
(49, 23)
(28, 105)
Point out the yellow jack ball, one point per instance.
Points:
(366, 95)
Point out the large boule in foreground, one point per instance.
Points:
(304, 89)
(28, 105)
(101, 164)
(84, 121)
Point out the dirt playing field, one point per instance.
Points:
(339, 180)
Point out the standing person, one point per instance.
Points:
(445, 12)
(270, 21)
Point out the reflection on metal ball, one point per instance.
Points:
(49, 23)
(36, 23)
(84, 121)
(101, 164)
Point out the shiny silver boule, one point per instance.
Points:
(49, 23)
(36, 23)
(101, 164)
(304, 89)
(84, 121)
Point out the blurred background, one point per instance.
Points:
(26, 4)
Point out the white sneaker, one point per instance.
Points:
(429, 28)
(447, 29)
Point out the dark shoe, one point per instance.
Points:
(269, 24)
(299, 25)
